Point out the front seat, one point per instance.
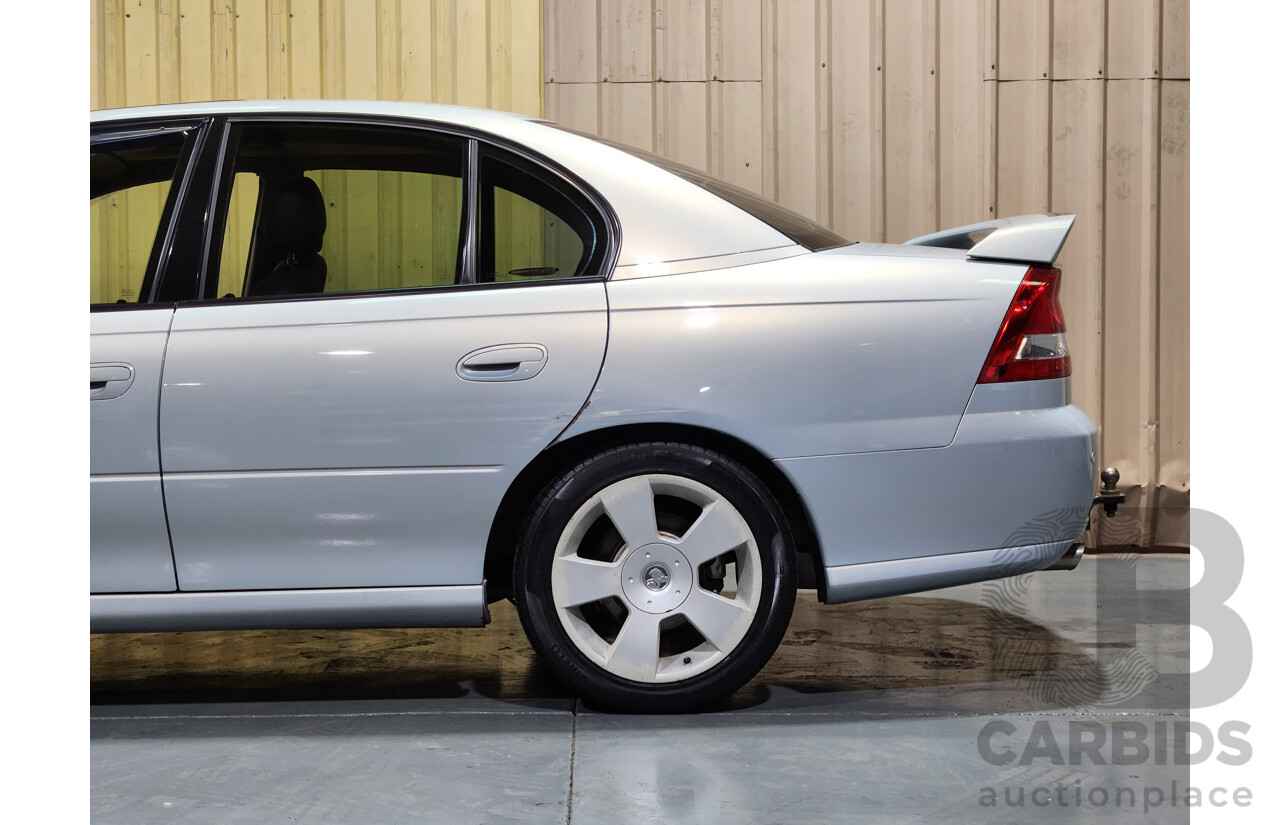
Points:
(292, 226)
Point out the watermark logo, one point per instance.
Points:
(1139, 691)
(1004, 742)
(1121, 673)
(1149, 799)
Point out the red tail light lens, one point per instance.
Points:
(1032, 343)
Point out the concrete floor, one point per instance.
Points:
(869, 712)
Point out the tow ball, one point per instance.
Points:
(1109, 497)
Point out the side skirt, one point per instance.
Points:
(445, 606)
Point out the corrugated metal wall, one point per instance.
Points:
(883, 118)
(888, 119)
(472, 52)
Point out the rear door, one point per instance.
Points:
(397, 321)
(137, 176)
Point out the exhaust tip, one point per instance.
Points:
(1069, 559)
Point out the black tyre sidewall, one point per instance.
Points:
(561, 500)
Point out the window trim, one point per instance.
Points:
(469, 249)
(381, 293)
(195, 131)
(557, 175)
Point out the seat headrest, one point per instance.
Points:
(293, 212)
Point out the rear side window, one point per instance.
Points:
(131, 200)
(321, 209)
(313, 208)
(530, 229)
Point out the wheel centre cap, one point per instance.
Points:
(656, 578)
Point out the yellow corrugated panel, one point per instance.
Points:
(472, 52)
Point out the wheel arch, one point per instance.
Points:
(524, 489)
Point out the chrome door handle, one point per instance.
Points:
(505, 362)
(109, 380)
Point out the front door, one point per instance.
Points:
(133, 193)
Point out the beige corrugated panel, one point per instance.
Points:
(888, 119)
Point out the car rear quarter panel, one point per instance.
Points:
(854, 370)
(1018, 473)
(859, 351)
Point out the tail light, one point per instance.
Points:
(1032, 343)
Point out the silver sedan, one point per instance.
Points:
(377, 364)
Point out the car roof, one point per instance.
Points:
(668, 224)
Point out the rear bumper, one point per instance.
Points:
(1014, 483)
(852, 582)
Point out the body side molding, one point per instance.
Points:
(438, 606)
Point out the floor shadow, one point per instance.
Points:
(303, 665)
(899, 655)
(926, 655)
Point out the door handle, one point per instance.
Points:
(109, 380)
(505, 362)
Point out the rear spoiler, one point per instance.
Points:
(1032, 239)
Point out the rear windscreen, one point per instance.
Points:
(797, 227)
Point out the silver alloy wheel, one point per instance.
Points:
(652, 578)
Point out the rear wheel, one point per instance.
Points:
(655, 577)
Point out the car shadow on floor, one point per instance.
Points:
(893, 656)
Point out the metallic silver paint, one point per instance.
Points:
(122, 430)
(894, 577)
(129, 541)
(128, 538)
(1020, 395)
(506, 362)
(1025, 238)
(107, 381)
(845, 351)
(336, 443)
(334, 528)
(1005, 474)
(364, 391)
(653, 270)
(459, 606)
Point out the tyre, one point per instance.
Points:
(655, 577)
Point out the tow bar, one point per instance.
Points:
(1109, 497)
